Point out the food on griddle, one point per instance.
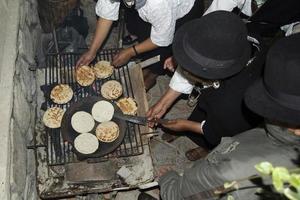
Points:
(85, 75)
(53, 116)
(86, 143)
(107, 131)
(111, 90)
(103, 111)
(103, 69)
(128, 106)
(61, 94)
(82, 122)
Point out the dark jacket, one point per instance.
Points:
(233, 159)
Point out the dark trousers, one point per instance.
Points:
(136, 26)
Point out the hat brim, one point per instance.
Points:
(258, 100)
(186, 62)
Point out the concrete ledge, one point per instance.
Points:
(9, 22)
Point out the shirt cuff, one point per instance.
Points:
(201, 125)
(180, 84)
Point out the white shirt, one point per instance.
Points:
(162, 14)
(180, 83)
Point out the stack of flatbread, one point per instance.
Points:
(128, 106)
(103, 111)
(107, 131)
(82, 122)
(53, 116)
(85, 75)
(103, 69)
(86, 143)
(61, 94)
(111, 90)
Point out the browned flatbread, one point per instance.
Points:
(61, 94)
(103, 69)
(53, 116)
(85, 75)
(128, 106)
(111, 89)
(107, 131)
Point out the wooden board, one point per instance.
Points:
(140, 96)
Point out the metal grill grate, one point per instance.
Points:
(60, 69)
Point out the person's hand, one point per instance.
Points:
(156, 112)
(123, 57)
(177, 125)
(86, 58)
(170, 64)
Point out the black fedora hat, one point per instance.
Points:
(214, 46)
(277, 96)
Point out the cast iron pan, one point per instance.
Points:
(69, 134)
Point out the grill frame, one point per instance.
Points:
(60, 69)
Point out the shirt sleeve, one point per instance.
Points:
(229, 5)
(196, 181)
(180, 84)
(107, 10)
(163, 21)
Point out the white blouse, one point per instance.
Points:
(162, 14)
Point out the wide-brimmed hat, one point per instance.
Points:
(277, 95)
(214, 46)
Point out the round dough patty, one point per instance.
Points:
(111, 89)
(53, 116)
(103, 69)
(85, 75)
(103, 111)
(86, 143)
(82, 122)
(107, 131)
(128, 106)
(61, 94)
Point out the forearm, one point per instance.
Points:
(102, 30)
(169, 97)
(145, 46)
(194, 127)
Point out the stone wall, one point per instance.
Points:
(19, 33)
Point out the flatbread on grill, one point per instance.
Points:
(111, 89)
(103, 69)
(61, 94)
(53, 116)
(86, 143)
(82, 122)
(128, 106)
(107, 131)
(85, 75)
(103, 111)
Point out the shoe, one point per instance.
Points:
(129, 40)
(168, 137)
(196, 154)
(145, 196)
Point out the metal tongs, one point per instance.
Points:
(138, 119)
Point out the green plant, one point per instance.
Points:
(286, 182)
